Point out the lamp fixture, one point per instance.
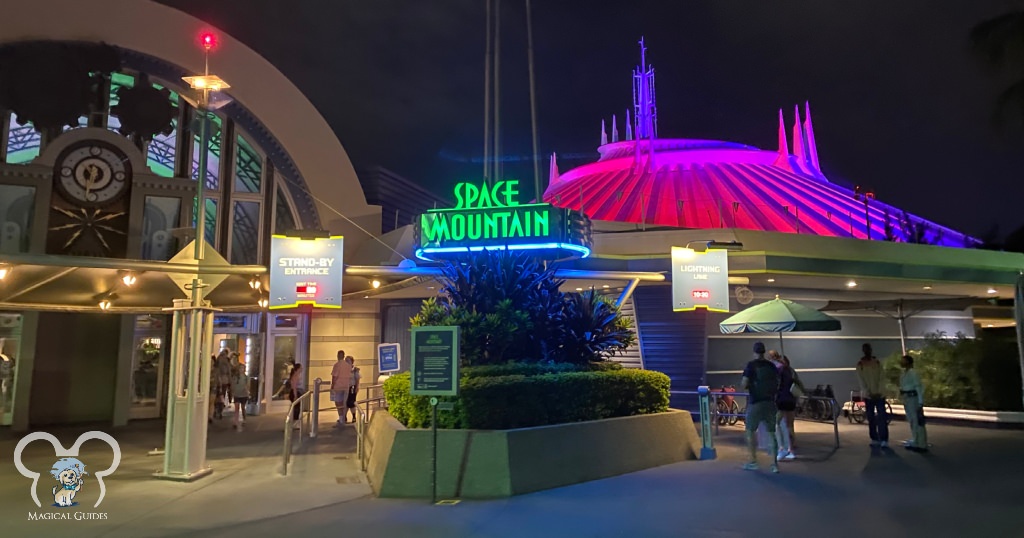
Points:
(105, 304)
(212, 83)
(605, 286)
(851, 284)
(263, 302)
(771, 280)
(128, 278)
(5, 269)
(926, 287)
(255, 283)
(375, 283)
(991, 291)
(579, 289)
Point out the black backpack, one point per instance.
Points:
(765, 385)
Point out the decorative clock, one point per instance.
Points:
(92, 174)
(89, 204)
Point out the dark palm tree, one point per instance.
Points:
(1000, 41)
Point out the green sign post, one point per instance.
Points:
(435, 372)
(435, 361)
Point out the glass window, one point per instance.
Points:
(146, 363)
(245, 234)
(22, 142)
(284, 220)
(160, 215)
(162, 149)
(16, 209)
(227, 321)
(149, 322)
(248, 167)
(213, 157)
(117, 80)
(285, 349)
(286, 321)
(211, 219)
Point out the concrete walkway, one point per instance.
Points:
(245, 484)
(969, 486)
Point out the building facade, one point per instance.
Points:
(114, 178)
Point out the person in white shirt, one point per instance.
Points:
(341, 378)
(353, 387)
(912, 394)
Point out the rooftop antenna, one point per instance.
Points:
(646, 111)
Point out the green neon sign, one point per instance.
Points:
(501, 194)
(490, 216)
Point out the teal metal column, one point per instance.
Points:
(707, 449)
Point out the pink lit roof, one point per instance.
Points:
(688, 183)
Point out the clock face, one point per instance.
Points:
(93, 174)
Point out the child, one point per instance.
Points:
(240, 391)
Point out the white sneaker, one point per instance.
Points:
(790, 456)
(884, 444)
(750, 466)
(782, 455)
(775, 469)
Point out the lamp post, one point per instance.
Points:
(192, 326)
(864, 195)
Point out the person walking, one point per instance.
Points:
(761, 381)
(295, 383)
(786, 402)
(341, 379)
(872, 387)
(912, 394)
(353, 387)
(223, 374)
(240, 392)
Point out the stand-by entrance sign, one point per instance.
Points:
(435, 361)
(306, 271)
(700, 279)
(388, 358)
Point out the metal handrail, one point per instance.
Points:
(304, 400)
(361, 423)
(715, 414)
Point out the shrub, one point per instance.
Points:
(965, 373)
(520, 401)
(530, 369)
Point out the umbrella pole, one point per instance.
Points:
(903, 326)
(782, 348)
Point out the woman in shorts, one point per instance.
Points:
(786, 402)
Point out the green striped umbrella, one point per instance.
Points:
(779, 316)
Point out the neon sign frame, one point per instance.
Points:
(488, 217)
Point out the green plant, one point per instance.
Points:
(509, 307)
(964, 373)
(593, 328)
(519, 401)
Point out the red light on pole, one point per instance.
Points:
(208, 40)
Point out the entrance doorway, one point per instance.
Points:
(287, 343)
(149, 351)
(10, 348)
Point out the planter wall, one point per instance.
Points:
(482, 464)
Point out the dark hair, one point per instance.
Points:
(866, 348)
(785, 360)
(909, 359)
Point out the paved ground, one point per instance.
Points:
(969, 486)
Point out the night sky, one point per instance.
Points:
(899, 102)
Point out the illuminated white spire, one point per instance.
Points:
(604, 134)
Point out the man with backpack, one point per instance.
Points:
(761, 381)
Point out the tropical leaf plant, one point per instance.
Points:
(594, 329)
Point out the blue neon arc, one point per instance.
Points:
(422, 253)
